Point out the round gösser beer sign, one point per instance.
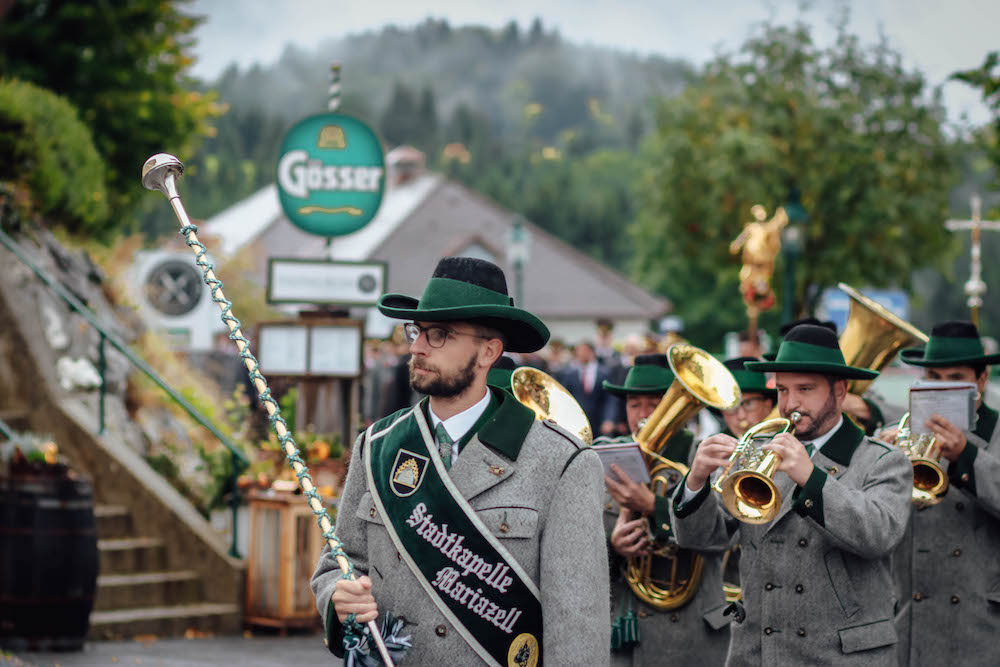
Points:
(331, 174)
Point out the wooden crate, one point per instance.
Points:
(285, 545)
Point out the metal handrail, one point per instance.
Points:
(240, 461)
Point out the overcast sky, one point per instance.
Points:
(937, 37)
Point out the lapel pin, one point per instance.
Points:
(497, 470)
(833, 470)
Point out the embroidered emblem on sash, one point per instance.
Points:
(408, 472)
(523, 651)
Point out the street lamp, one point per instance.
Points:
(792, 244)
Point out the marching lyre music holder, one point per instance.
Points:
(160, 173)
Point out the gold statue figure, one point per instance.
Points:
(760, 242)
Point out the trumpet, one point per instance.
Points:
(930, 482)
(749, 492)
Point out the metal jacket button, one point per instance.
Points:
(798, 588)
(441, 630)
(674, 618)
(803, 542)
(956, 553)
(643, 613)
(955, 599)
(504, 527)
(965, 477)
(808, 503)
(768, 630)
(371, 512)
(918, 597)
(768, 586)
(801, 632)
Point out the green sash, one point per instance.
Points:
(468, 574)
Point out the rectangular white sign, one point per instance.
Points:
(322, 282)
(335, 351)
(282, 350)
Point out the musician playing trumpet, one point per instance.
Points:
(949, 573)
(817, 586)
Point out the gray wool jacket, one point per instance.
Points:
(948, 567)
(539, 495)
(817, 585)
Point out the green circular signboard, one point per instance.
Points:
(331, 174)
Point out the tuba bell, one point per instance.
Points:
(548, 399)
(668, 577)
(873, 336)
(749, 492)
(930, 482)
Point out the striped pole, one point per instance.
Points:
(334, 101)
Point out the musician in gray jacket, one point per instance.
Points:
(817, 586)
(476, 525)
(949, 573)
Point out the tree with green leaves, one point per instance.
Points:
(848, 127)
(123, 66)
(986, 78)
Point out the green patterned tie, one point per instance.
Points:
(444, 443)
(810, 448)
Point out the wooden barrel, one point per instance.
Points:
(48, 562)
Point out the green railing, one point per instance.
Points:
(239, 460)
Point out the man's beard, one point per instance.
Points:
(441, 385)
(822, 422)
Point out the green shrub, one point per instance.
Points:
(45, 148)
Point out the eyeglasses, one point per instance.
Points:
(747, 404)
(436, 336)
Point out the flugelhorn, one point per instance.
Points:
(668, 577)
(548, 399)
(749, 492)
(930, 482)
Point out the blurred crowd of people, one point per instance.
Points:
(580, 366)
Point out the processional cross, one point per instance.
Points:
(975, 288)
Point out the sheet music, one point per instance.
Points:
(955, 401)
(627, 456)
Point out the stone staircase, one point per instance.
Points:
(140, 593)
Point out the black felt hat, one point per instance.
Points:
(952, 343)
(811, 348)
(470, 290)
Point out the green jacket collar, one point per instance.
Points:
(507, 428)
(841, 447)
(986, 423)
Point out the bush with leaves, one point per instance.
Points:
(48, 154)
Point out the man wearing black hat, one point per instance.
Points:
(950, 573)
(695, 632)
(474, 523)
(816, 580)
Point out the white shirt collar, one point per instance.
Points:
(818, 442)
(458, 425)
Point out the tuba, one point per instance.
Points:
(668, 577)
(873, 336)
(548, 399)
(930, 482)
(749, 492)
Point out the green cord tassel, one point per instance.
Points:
(630, 630)
(616, 634)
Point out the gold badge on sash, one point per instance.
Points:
(407, 472)
(523, 651)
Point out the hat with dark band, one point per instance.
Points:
(750, 382)
(810, 348)
(499, 374)
(952, 343)
(788, 326)
(650, 374)
(470, 290)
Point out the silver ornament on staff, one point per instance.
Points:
(160, 172)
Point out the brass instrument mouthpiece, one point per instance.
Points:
(795, 417)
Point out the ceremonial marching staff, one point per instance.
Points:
(160, 172)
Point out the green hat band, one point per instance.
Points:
(449, 293)
(751, 381)
(648, 377)
(793, 351)
(942, 347)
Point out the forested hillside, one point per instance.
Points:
(550, 127)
